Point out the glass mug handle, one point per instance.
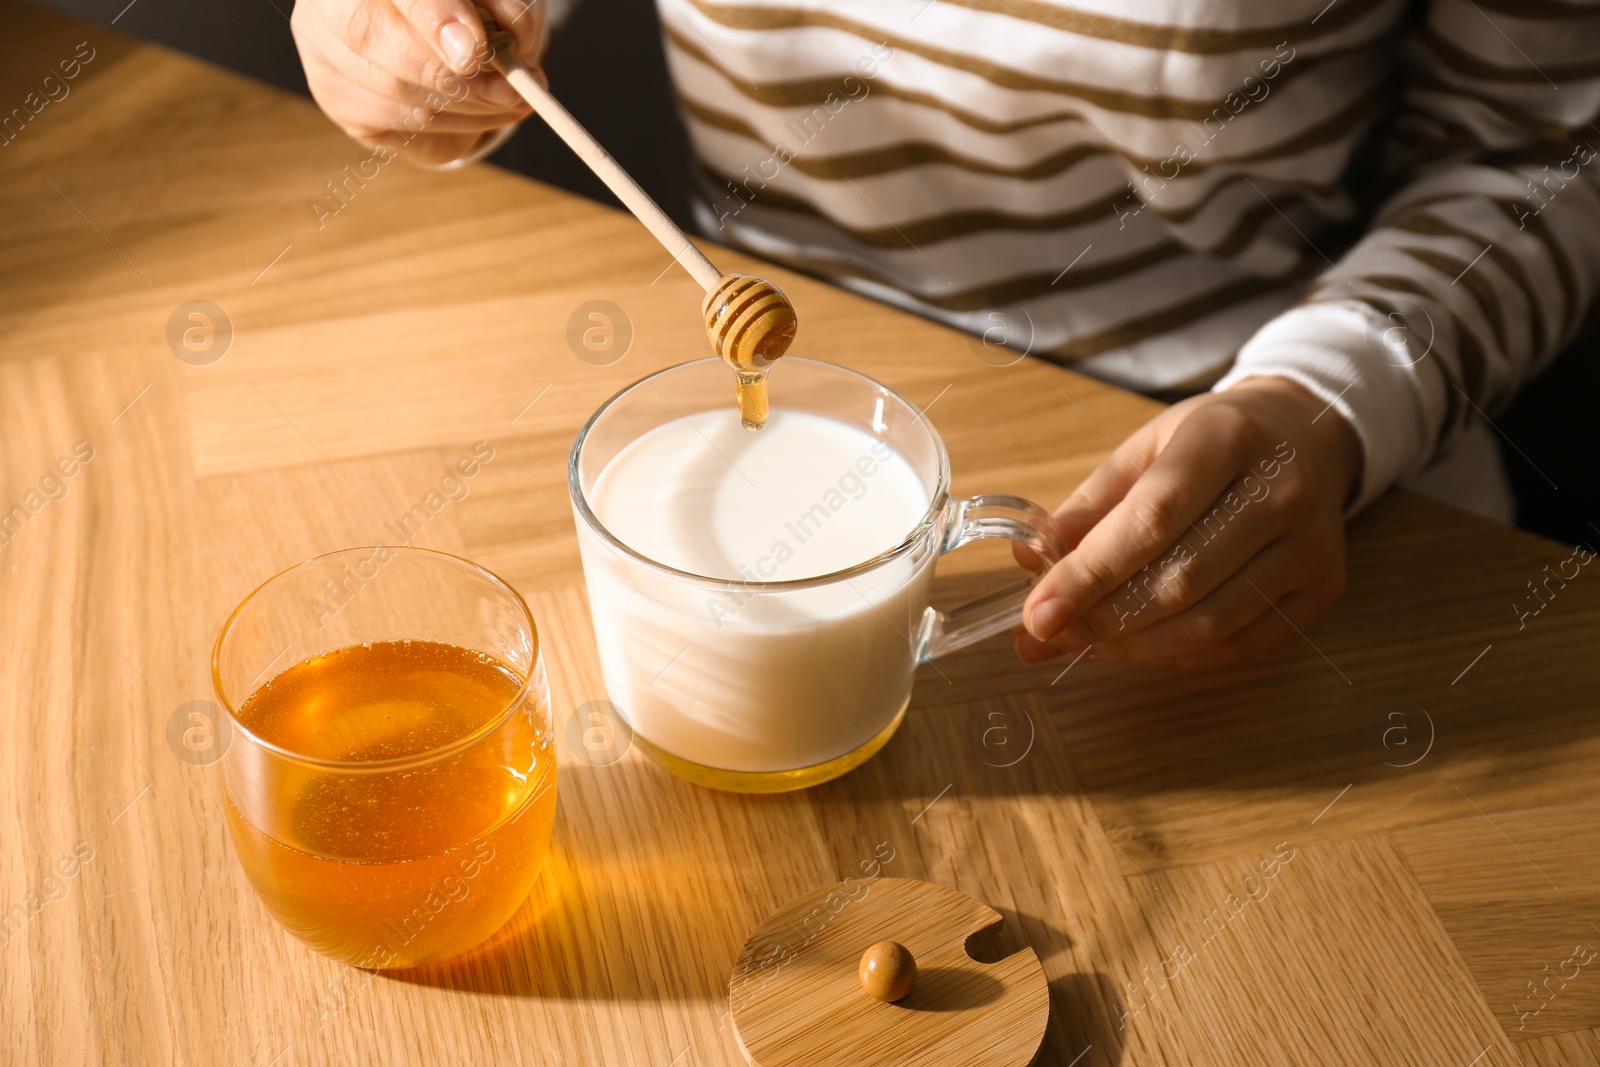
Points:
(989, 515)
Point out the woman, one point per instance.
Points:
(1343, 230)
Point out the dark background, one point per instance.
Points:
(606, 65)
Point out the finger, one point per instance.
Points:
(524, 20)
(1236, 603)
(333, 68)
(1107, 485)
(458, 34)
(1030, 649)
(1097, 494)
(1283, 624)
(1206, 554)
(433, 148)
(1182, 482)
(375, 33)
(403, 123)
(451, 28)
(1026, 557)
(368, 117)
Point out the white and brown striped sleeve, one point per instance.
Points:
(1485, 260)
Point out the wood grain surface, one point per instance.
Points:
(1379, 848)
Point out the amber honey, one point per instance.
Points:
(752, 399)
(414, 814)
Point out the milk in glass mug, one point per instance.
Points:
(760, 599)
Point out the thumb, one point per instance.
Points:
(527, 22)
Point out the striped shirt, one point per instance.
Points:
(1395, 205)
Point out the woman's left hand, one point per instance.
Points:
(1211, 536)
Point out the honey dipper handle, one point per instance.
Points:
(599, 160)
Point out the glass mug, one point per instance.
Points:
(780, 685)
(390, 791)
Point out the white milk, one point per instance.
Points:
(735, 678)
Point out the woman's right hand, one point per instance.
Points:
(412, 74)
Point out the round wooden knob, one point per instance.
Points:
(749, 321)
(888, 971)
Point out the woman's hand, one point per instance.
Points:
(1208, 538)
(411, 74)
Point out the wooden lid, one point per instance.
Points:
(796, 997)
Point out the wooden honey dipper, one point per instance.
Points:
(749, 321)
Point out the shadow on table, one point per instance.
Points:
(654, 883)
(618, 916)
(1084, 1005)
(1081, 1032)
(591, 932)
(1417, 667)
(635, 902)
(540, 954)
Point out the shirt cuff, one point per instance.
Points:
(1364, 368)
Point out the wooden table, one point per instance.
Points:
(1419, 914)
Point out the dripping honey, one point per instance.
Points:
(752, 398)
(751, 325)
